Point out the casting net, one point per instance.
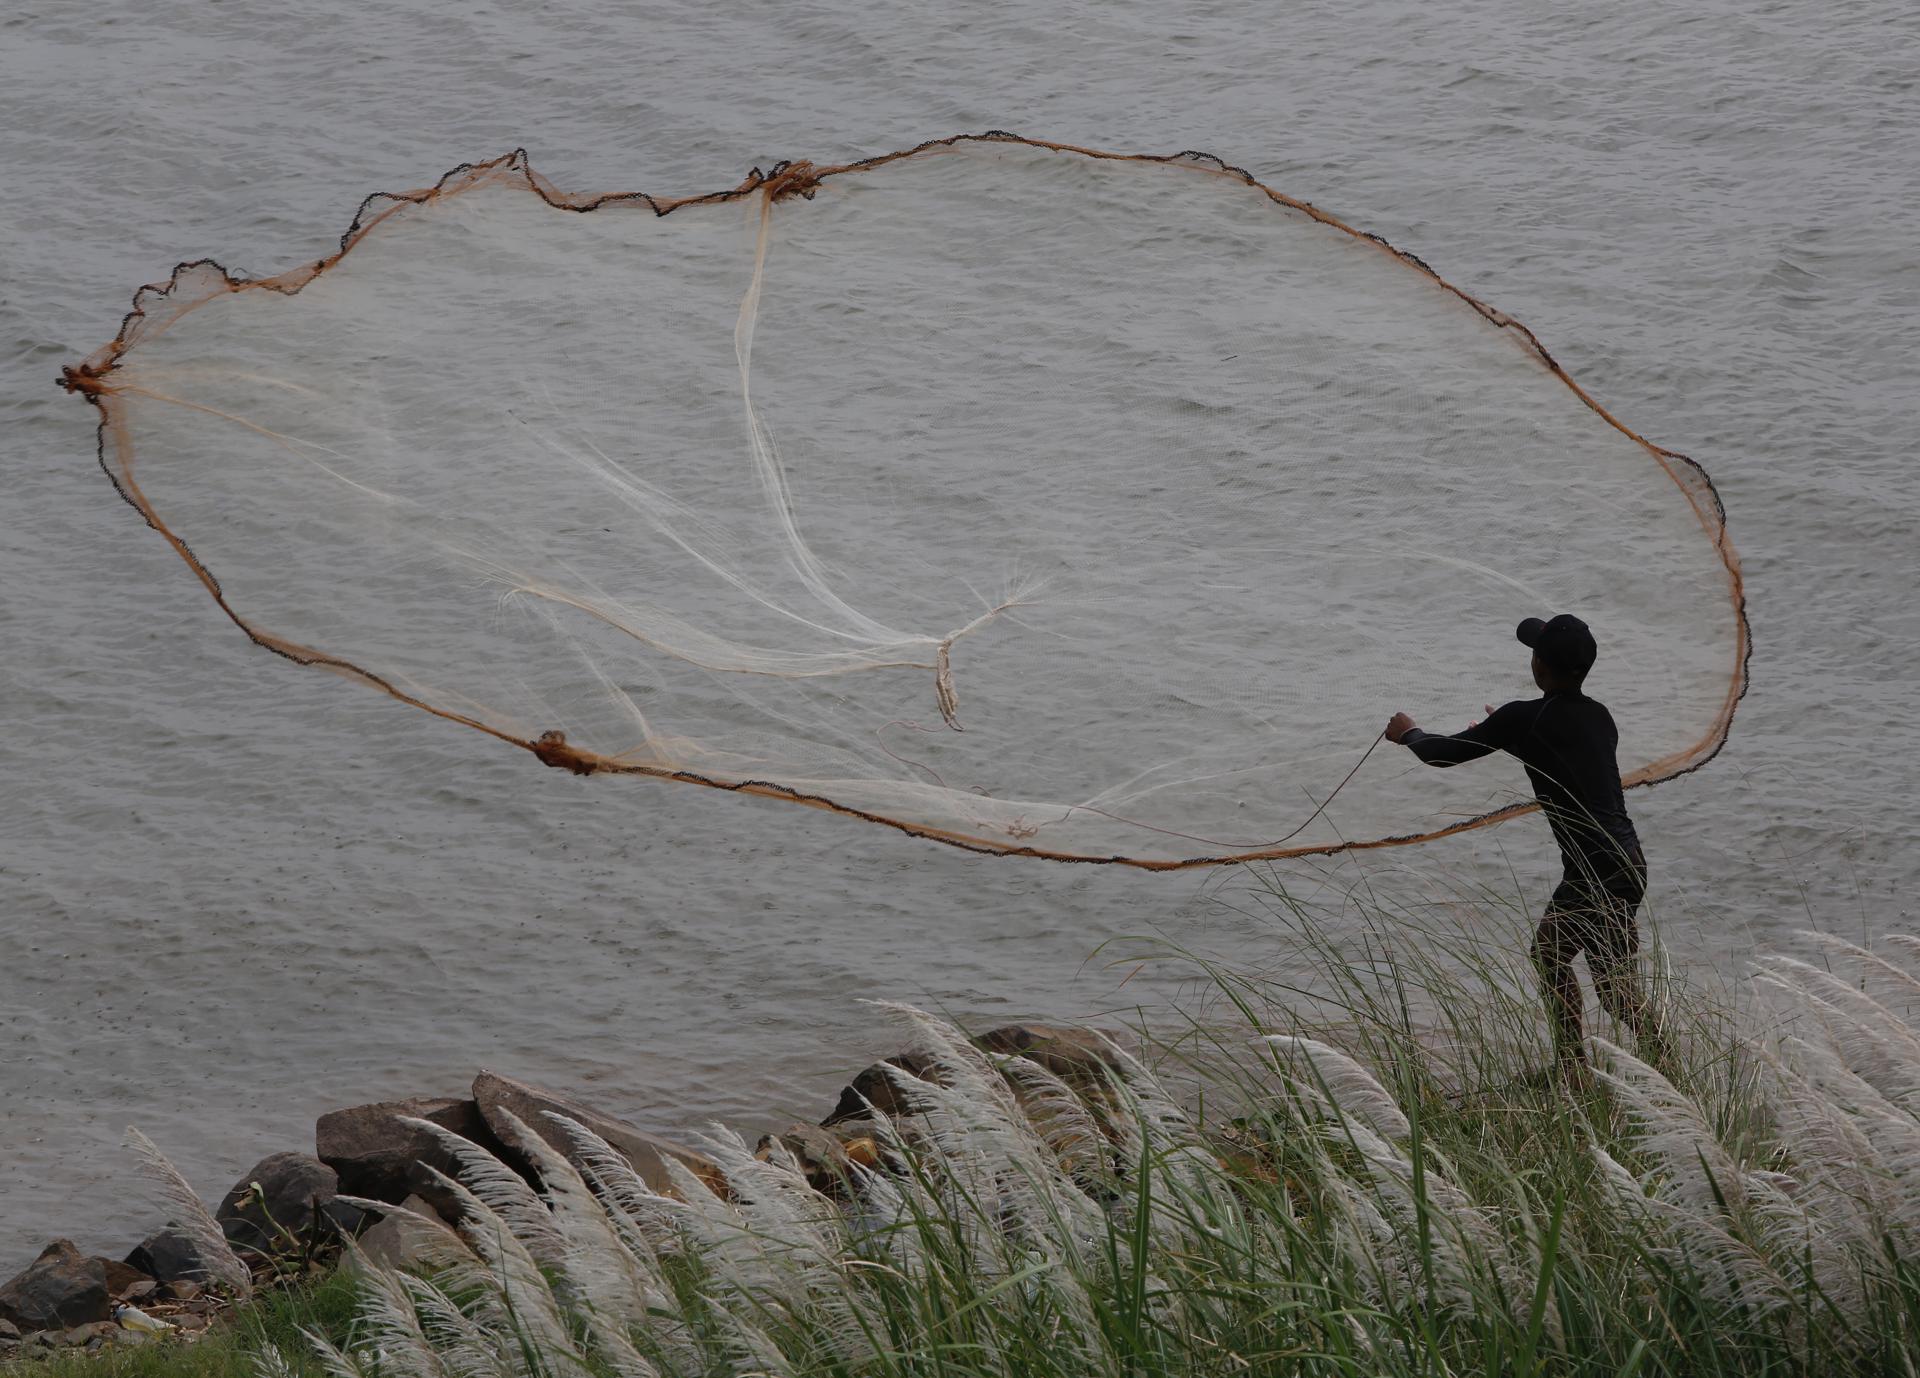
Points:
(1022, 497)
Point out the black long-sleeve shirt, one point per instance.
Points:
(1567, 742)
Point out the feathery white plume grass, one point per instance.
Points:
(1699, 1175)
(429, 1238)
(1338, 1082)
(189, 1215)
(391, 1323)
(1895, 980)
(511, 1291)
(1873, 1041)
(467, 1347)
(604, 1275)
(1024, 1222)
(1856, 1155)
(504, 1192)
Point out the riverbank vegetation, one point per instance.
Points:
(1362, 1172)
(278, 1320)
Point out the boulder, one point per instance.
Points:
(60, 1289)
(293, 1208)
(827, 1156)
(402, 1243)
(874, 1090)
(645, 1153)
(1079, 1057)
(123, 1279)
(92, 1335)
(1083, 1059)
(377, 1156)
(9, 1332)
(170, 1258)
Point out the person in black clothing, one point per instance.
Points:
(1567, 742)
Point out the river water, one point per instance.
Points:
(233, 895)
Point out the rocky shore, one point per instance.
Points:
(289, 1215)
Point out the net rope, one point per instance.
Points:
(1026, 497)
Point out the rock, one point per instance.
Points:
(646, 1153)
(863, 1150)
(1083, 1059)
(376, 1156)
(401, 1243)
(832, 1157)
(180, 1290)
(875, 1088)
(1079, 1057)
(280, 1219)
(170, 1257)
(136, 1292)
(122, 1278)
(9, 1332)
(92, 1335)
(822, 1155)
(59, 1289)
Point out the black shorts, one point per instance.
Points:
(1594, 914)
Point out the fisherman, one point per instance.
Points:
(1566, 741)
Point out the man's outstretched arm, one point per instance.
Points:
(1482, 739)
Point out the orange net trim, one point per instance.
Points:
(153, 311)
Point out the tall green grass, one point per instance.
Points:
(1360, 1173)
(276, 1322)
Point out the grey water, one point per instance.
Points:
(234, 894)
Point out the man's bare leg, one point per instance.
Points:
(1560, 989)
(1625, 999)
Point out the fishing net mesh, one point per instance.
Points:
(1024, 497)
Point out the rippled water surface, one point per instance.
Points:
(233, 894)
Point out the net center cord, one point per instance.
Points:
(884, 647)
(798, 180)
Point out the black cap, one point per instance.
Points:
(1564, 643)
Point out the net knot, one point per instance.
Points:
(83, 378)
(553, 750)
(798, 178)
(943, 690)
